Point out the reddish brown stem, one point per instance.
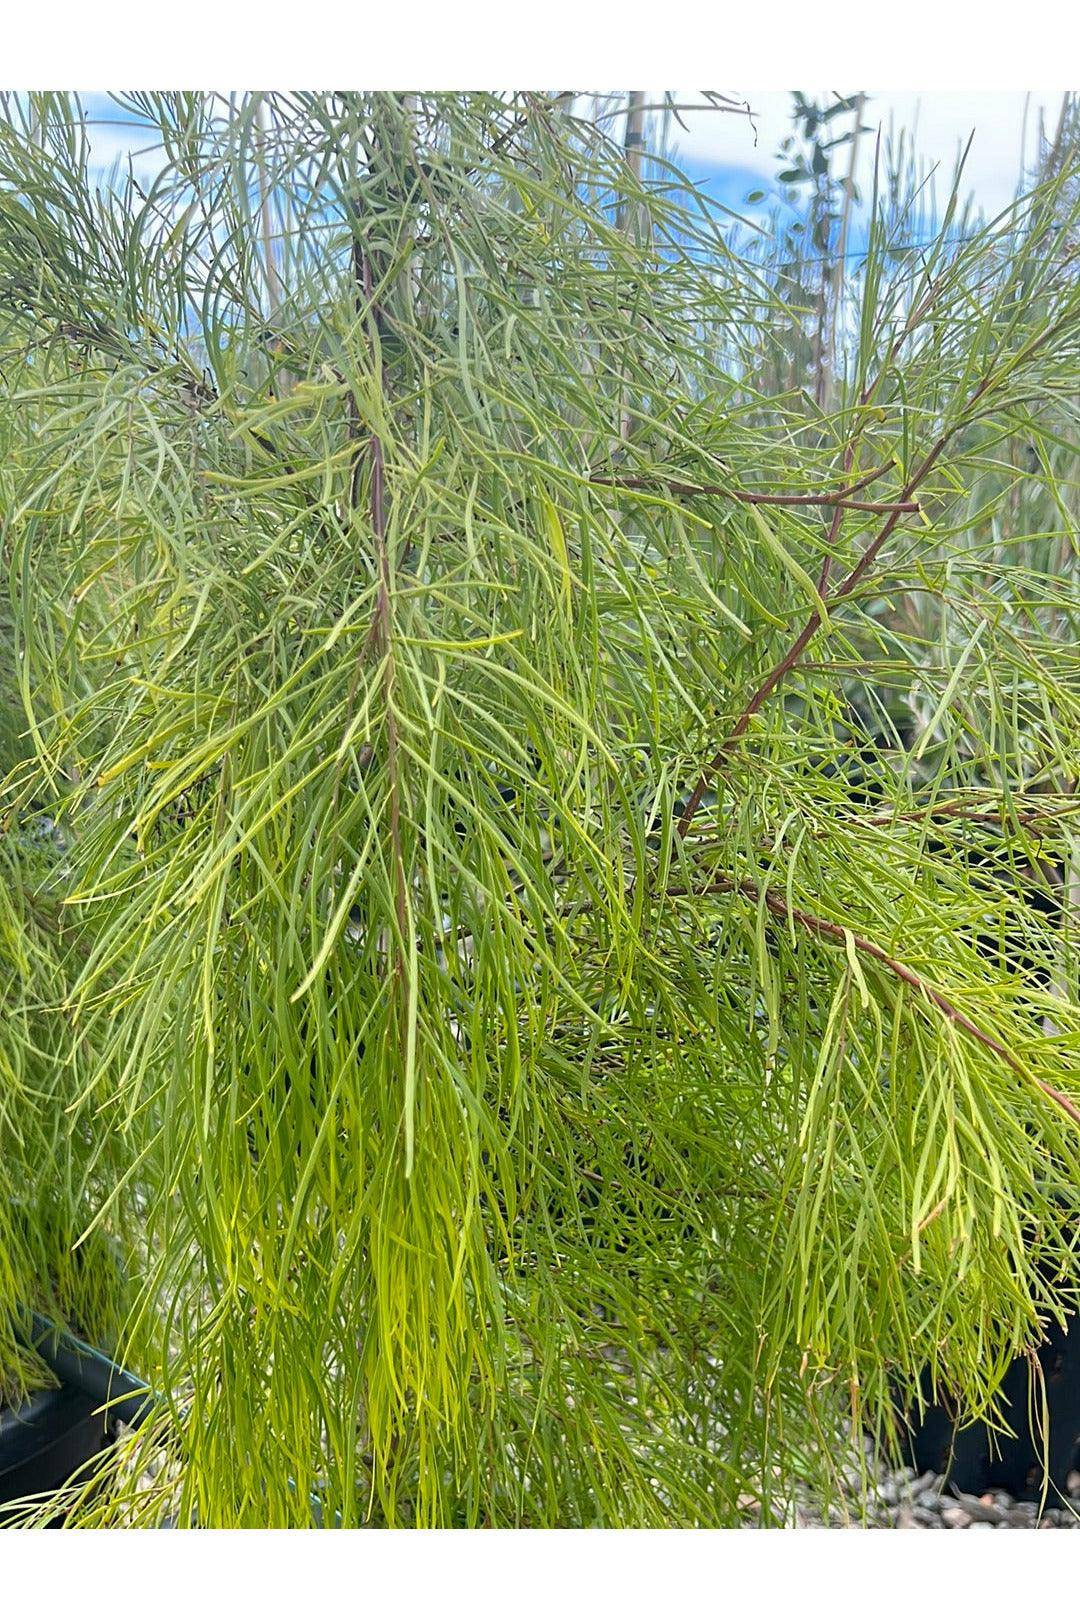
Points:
(954, 810)
(778, 906)
(869, 556)
(807, 633)
(860, 483)
(957, 810)
(834, 532)
(382, 626)
(838, 498)
(866, 478)
(501, 142)
(865, 396)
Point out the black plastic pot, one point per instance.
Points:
(47, 1440)
(975, 1459)
(51, 1436)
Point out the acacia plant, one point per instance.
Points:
(518, 844)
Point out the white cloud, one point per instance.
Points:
(110, 142)
(941, 120)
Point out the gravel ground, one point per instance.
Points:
(906, 1501)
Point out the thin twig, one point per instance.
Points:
(837, 290)
(502, 141)
(813, 623)
(958, 810)
(777, 674)
(381, 631)
(838, 498)
(953, 809)
(779, 907)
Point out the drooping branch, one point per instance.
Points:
(957, 809)
(980, 813)
(781, 669)
(380, 637)
(532, 104)
(778, 906)
(840, 498)
(784, 666)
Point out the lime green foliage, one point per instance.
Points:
(514, 1118)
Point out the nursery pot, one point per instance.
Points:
(53, 1434)
(46, 1440)
(974, 1459)
(49, 1437)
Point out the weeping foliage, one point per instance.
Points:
(517, 915)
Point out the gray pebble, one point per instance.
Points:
(984, 1512)
(906, 1501)
(955, 1518)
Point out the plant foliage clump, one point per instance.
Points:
(536, 858)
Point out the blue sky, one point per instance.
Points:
(734, 156)
(731, 156)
